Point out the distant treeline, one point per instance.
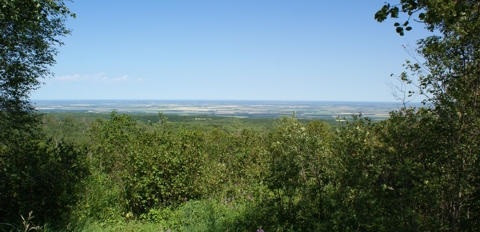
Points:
(73, 126)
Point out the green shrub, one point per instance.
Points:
(40, 176)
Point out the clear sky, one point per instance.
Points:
(228, 50)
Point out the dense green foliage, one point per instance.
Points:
(40, 175)
(449, 79)
(400, 173)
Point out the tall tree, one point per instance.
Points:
(449, 78)
(29, 37)
(34, 174)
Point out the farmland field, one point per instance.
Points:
(241, 109)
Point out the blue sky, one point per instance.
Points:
(228, 50)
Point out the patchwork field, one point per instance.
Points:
(240, 109)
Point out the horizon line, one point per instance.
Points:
(419, 102)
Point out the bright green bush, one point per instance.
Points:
(144, 169)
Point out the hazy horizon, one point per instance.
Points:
(224, 100)
(228, 108)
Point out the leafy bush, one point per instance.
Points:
(43, 177)
(147, 169)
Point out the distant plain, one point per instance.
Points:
(241, 109)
